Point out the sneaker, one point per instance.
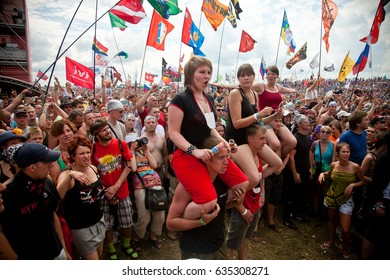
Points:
(290, 224)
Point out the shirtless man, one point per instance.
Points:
(157, 146)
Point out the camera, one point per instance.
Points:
(142, 141)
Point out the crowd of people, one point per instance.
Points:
(76, 167)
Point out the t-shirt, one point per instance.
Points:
(209, 238)
(252, 197)
(161, 119)
(118, 130)
(28, 218)
(194, 127)
(108, 160)
(302, 160)
(357, 143)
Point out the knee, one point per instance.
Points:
(274, 144)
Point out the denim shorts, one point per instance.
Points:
(239, 229)
(345, 208)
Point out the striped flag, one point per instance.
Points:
(42, 76)
(262, 68)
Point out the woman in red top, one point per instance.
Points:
(270, 95)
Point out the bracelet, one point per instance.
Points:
(202, 222)
(190, 149)
(243, 213)
(256, 116)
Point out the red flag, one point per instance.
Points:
(79, 74)
(129, 10)
(379, 18)
(40, 74)
(158, 30)
(166, 80)
(247, 42)
(149, 77)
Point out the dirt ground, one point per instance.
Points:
(266, 244)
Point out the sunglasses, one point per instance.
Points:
(325, 132)
(219, 110)
(382, 122)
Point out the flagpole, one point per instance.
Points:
(142, 66)
(220, 46)
(94, 53)
(59, 56)
(120, 59)
(235, 72)
(319, 62)
(280, 35)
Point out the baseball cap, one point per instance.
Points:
(332, 103)
(31, 153)
(342, 113)
(20, 111)
(376, 119)
(9, 135)
(286, 112)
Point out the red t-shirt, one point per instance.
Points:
(252, 198)
(161, 119)
(108, 160)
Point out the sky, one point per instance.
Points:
(262, 19)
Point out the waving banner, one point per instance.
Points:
(79, 74)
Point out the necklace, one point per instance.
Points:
(204, 100)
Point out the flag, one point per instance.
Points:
(146, 87)
(345, 68)
(247, 43)
(158, 30)
(191, 35)
(117, 22)
(237, 8)
(122, 53)
(42, 76)
(300, 55)
(219, 78)
(329, 13)
(79, 74)
(173, 72)
(164, 70)
(215, 12)
(329, 68)
(165, 8)
(97, 47)
(101, 60)
(231, 17)
(166, 80)
(293, 77)
(262, 67)
(362, 60)
(129, 10)
(227, 78)
(286, 33)
(378, 19)
(314, 63)
(149, 77)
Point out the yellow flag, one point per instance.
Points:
(346, 68)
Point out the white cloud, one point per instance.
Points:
(261, 19)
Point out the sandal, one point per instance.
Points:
(325, 246)
(156, 243)
(136, 245)
(130, 252)
(274, 227)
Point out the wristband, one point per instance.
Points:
(245, 211)
(256, 116)
(202, 222)
(190, 149)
